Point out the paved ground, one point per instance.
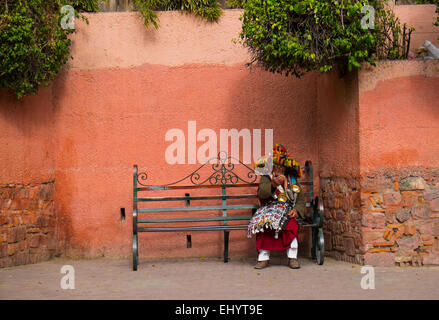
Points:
(194, 279)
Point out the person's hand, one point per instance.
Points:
(293, 214)
(279, 180)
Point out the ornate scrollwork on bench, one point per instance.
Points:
(222, 173)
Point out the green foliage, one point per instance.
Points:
(436, 23)
(33, 46)
(392, 40)
(401, 2)
(83, 5)
(297, 36)
(206, 9)
(235, 4)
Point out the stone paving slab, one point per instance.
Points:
(211, 279)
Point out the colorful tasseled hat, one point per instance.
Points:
(282, 158)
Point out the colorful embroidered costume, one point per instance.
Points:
(273, 228)
(272, 216)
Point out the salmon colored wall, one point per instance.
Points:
(392, 97)
(122, 118)
(399, 159)
(421, 17)
(399, 115)
(337, 125)
(112, 106)
(126, 86)
(120, 40)
(26, 141)
(378, 128)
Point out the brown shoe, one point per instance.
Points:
(261, 264)
(293, 263)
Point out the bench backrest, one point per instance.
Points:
(224, 192)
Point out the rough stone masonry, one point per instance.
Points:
(27, 223)
(386, 217)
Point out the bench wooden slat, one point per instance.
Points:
(216, 186)
(194, 228)
(207, 186)
(241, 196)
(201, 208)
(170, 220)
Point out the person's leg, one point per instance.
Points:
(293, 262)
(263, 258)
(292, 250)
(264, 255)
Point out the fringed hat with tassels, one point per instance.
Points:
(281, 157)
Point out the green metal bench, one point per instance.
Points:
(213, 217)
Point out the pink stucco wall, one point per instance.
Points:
(112, 106)
(103, 129)
(398, 105)
(398, 162)
(421, 17)
(346, 139)
(337, 122)
(120, 40)
(127, 86)
(26, 138)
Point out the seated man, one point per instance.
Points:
(274, 222)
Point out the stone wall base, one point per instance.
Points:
(400, 223)
(342, 221)
(27, 224)
(388, 217)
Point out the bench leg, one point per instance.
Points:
(315, 232)
(320, 247)
(226, 246)
(135, 253)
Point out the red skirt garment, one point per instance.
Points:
(266, 241)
